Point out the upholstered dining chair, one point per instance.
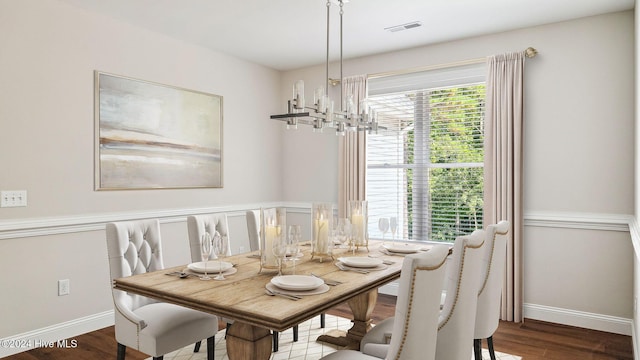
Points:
(198, 225)
(149, 326)
(457, 317)
(253, 230)
(417, 310)
(493, 269)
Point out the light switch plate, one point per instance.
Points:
(13, 198)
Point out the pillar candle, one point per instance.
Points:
(321, 229)
(270, 234)
(357, 223)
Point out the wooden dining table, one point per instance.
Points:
(242, 297)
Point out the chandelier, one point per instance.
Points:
(321, 114)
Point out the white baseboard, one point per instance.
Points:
(634, 335)
(612, 324)
(54, 336)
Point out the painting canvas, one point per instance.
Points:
(154, 136)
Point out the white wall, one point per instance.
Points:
(48, 52)
(579, 159)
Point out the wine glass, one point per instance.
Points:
(393, 225)
(220, 250)
(205, 251)
(383, 225)
(279, 249)
(342, 231)
(293, 242)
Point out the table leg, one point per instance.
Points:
(361, 307)
(248, 342)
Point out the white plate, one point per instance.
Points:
(212, 266)
(402, 248)
(361, 262)
(297, 282)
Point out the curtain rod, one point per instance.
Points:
(529, 52)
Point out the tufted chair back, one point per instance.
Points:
(253, 228)
(197, 225)
(134, 247)
(457, 318)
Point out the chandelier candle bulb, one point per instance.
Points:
(298, 94)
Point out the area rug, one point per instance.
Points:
(306, 348)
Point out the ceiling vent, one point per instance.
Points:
(402, 27)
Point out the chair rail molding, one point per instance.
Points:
(578, 220)
(31, 227)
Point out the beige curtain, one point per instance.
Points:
(503, 167)
(352, 148)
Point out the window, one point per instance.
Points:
(426, 168)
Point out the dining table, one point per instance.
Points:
(243, 296)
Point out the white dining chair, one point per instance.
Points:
(417, 309)
(253, 230)
(149, 326)
(490, 294)
(457, 317)
(198, 225)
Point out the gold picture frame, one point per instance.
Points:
(154, 136)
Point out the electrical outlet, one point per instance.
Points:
(63, 287)
(13, 198)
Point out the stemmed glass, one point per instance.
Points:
(383, 225)
(293, 242)
(220, 251)
(279, 251)
(205, 251)
(342, 230)
(393, 225)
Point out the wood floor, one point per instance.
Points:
(531, 340)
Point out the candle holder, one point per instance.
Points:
(321, 241)
(272, 230)
(357, 214)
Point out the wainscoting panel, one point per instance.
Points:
(24, 228)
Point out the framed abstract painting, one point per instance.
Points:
(154, 136)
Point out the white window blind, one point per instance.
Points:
(426, 168)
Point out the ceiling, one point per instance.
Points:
(289, 34)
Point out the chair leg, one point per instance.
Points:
(322, 321)
(197, 347)
(490, 346)
(477, 349)
(275, 341)
(295, 333)
(158, 357)
(121, 351)
(211, 347)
